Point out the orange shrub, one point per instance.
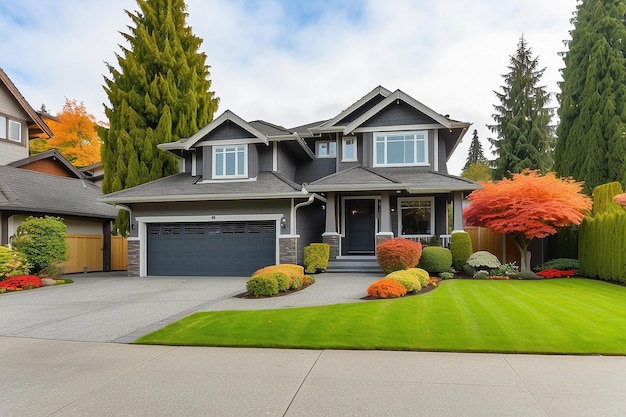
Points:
(386, 288)
(398, 253)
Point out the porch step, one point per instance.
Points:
(354, 264)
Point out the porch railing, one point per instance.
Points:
(444, 240)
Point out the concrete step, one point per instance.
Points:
(354, 264)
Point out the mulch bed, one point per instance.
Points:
(280, 294)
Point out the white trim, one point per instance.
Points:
(275, 156)
(376, 91)
(193, 163)
(328, 142)
(226, 116)
(436, 151)
(19, 130)
(227, 179)
(385, 134)
(238, 148)
(227, 142)
(355, 158)
(142, 229)
(432, 215)
(397, 128)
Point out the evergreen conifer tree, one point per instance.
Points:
(475, 153)
(591, 144)
(159, 92)
(522, 119)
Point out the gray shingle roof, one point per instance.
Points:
(413, 180)
(184, 187)
(34, 192)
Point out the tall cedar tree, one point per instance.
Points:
(475, 153)
(75, 135)
(522, 119)
(160, 93)
(591, 144)
(528, 206)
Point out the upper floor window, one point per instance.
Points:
(230, 161)
(349, 149)
(326, 149)
(400, 148)
(10, 129)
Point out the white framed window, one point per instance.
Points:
(230, 161)
(3, 127)
(401, 148)
(348, 151)
(15, 131)
(416, 216)
(326, 149)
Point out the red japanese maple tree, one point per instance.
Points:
(527, 206)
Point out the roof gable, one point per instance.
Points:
(36, 126)
(49, 162)
(231, 126)
(357, 109)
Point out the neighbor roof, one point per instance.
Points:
(53, 155)
(33, 192)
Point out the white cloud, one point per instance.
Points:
(268, 65)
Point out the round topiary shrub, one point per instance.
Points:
(481, 275)
(483, 260)
(421, 274)
(461, 249)
(283, 281)
(398, 253)
(42, 241)
(262, 284)
(296, 283)
(406, 278)
(386, 288)
(436, 259)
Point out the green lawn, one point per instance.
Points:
(575, 316)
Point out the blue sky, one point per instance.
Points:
(292, 62)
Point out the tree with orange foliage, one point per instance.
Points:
(528, 206)
(75, 135)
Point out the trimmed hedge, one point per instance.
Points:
(601, 242)
(316, 257)
(435, 259)
(12, 263)
(398, 253)
(273, 279)
(407, 278)
(263, 284)
(461, 249)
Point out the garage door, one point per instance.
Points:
(210, 249)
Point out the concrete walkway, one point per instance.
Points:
(54, 363)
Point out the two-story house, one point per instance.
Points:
(250, 194)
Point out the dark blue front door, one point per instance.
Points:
(360, 226)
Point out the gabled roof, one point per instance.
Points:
(26, 191)
(359, 178)
(184, 187)
(37, 125)
(52, 155)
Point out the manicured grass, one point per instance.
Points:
(574, 316)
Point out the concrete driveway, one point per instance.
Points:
(54, 362)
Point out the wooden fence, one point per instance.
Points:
(86, 253)
(500, 245)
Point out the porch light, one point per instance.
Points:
(283, 223)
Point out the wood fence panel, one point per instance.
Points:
(85, 252)
(119, 253)
(500, 245)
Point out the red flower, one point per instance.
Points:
(21, 282)
(556, 273)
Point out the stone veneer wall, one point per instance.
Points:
(134, 247)
(288, 250)
(332, 239)
(381, 237)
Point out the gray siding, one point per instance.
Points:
(286, 163)
(227, 131)
(360, 111)
(265, 157)
(398, 114)
(198, 154)
(310, 226)
(187, 159)
(313, 170)
(443, 167)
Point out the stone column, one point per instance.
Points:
(134, 249)
(288, 249)
(332, 239)
(457, 212)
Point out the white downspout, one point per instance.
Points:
(295, 208)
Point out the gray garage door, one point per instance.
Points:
(210, 249)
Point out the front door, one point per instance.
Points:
(360, 226)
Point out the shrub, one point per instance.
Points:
(386, 288)
(435, 259)
(481, 275)
(262, 284)
(308, 280)
(407, 278)
(446, 275)
(12, 263)
(461, 249)
(398, 253)
(556, 273)
(296, 283)
(291, 270)
(42, 241)
(422, 275)
(483, 259)
(560, 263)
(21, 282)
(316, 257)
(283, 281)
(504, 269)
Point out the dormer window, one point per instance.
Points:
(230, 162)
(326, 149)
(401, 149)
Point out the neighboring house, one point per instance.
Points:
(94, 173)
(251, 194)
(48, 184)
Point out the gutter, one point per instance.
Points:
(295, 208)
